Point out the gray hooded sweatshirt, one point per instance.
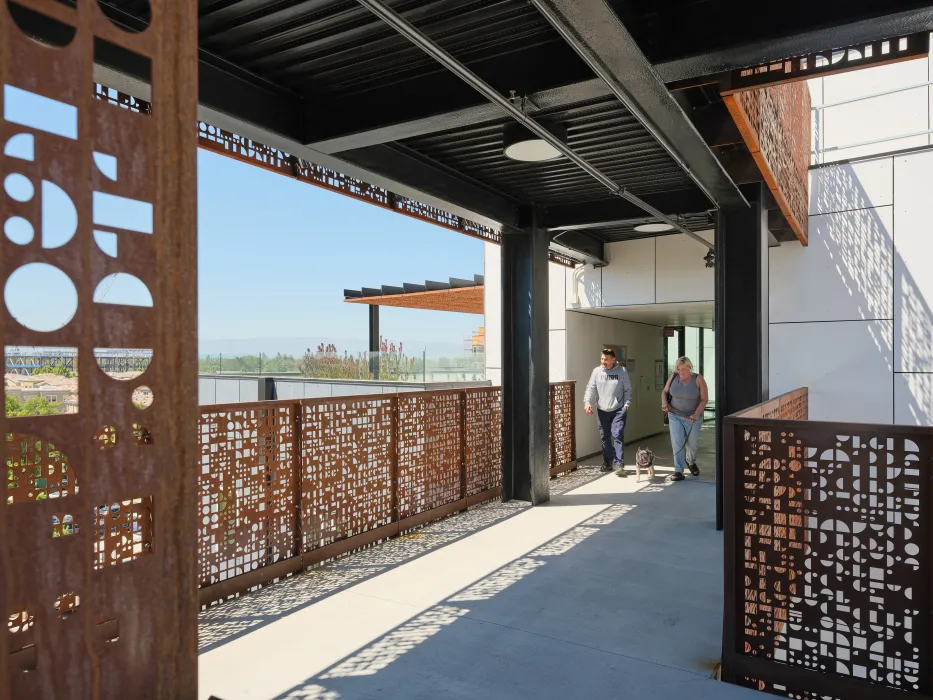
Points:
(611, 387)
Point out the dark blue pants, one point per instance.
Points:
(611, 430)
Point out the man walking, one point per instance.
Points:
(609, 385)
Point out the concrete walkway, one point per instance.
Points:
(613, 590)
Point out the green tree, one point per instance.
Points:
(13, 405)
(57, 369)
(36, 406)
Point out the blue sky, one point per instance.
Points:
(274, 255)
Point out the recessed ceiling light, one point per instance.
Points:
(654, 228)
(534, 150)
(518, 143)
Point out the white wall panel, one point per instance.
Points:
(844, 274)
(557, 356)
(847, 366)
(878, 117)
(630, 276)
(249, 390)
(846, 86)
(682, 273)
(227, 391)
(557, 297)
(586, 333)
(913, 399)
(881, 117)
(852, 186)
(206, 391)
(913, 263)
(313, 390)
(585, 287)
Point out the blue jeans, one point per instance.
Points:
(611, 428)
(679, 428)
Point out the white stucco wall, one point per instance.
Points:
(644, 345)
(557, 323)
(850, 314)
(661, 270)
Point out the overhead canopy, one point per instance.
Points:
(461, 296)
(636, 86)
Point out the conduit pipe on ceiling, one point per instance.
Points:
(419, 39)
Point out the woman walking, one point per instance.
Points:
(684, 399)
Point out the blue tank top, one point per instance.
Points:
(685, 398)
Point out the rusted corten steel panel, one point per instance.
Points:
(346, 468)
(775, 125)
(827, 556)
(246, 513)
(794, 405)
(466, 300)
(483, 439)
(563, 453)
(358, 470)
(98, 551)
(428, 450)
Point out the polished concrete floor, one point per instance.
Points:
(613, 590)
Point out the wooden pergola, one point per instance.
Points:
(457, 295)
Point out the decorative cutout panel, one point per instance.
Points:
(429, 433)
(833, 553)
(562, 424)
(247, 489)
(348, 465)
(831, 61)
(36, 470)
(346, 459)
(483, 439)
(99, 215)
(794, 405)
(124, 532)
(775, 125)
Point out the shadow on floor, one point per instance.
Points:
(625, 604)
(225, 622)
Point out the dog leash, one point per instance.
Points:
(686, 439)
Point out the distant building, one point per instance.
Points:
(479, 341)
(53, 388)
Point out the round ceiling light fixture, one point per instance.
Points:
(658, 227)
(518, 143)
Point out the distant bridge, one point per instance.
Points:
(25, 362)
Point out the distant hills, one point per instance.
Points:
(297, 346)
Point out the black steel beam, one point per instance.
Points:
(614, 211)
(404, 165)
(741, 315)
(798, 43)
(595, 32)
(580, 245)
(432, 49)
(221, 84)
(398, 119)
(525, 406)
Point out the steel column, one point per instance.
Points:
(741, 315)
(525, 405)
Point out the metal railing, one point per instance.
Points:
(817, 110)
(827, 555)
(285, 485)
